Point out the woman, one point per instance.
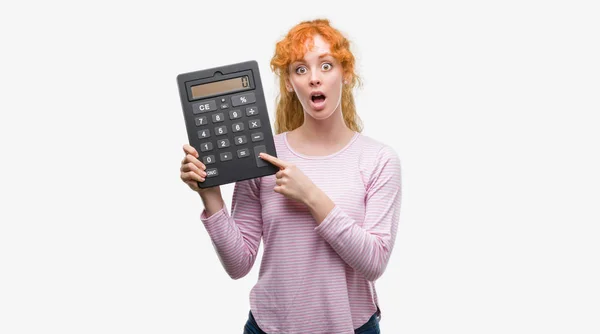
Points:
(328, 218)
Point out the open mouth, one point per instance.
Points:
(318, 98)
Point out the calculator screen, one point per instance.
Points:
(220, 87)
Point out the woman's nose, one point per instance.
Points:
(315, 80)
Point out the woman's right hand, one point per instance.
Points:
(193, 170)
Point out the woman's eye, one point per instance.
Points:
(326, 67)
(301, 70)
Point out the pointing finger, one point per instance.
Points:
(275, 161)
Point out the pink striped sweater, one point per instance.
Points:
(314, 278)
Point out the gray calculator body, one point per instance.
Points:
(227, 122)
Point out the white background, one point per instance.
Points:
(491, 105)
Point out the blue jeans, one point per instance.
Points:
(371, 327)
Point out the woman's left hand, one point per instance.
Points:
(290, 180)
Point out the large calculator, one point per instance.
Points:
(227, 122)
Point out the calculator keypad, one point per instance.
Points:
(225, 156)
(235, 114)
(258, 136)
(218, 117)
(243, 99)
(205, 147)
(254, 124)
(241, 140)
(221, 143)
(238, 109)
(251, 111)
(204, 106)
(201, 121)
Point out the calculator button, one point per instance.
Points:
(223, 100)
(243, 153)
(224, 105)
(251, 111)
(212, 172)
(237, 127)
(203, 133)
(204, 106)
(254, 124)
(208, 146)
(240, 100)
(240, 140)
(220, 130)
(233, 114)
(200, 120)
(257, 149)
(257, 136)
(219, 117)
(222, 143)
(208, 159)
(225, 156)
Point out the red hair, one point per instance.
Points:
(289, 114)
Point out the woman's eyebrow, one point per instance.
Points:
(302, 60)
(325, 55)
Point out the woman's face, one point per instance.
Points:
(317, 80)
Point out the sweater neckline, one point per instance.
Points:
(319, 157)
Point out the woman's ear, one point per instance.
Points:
(288, 86)
(346, 79)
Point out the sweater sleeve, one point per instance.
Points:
(236, 237)
(367, 249)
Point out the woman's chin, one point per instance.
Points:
(321, 114)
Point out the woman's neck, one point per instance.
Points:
(328, 131)
(320, 137)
